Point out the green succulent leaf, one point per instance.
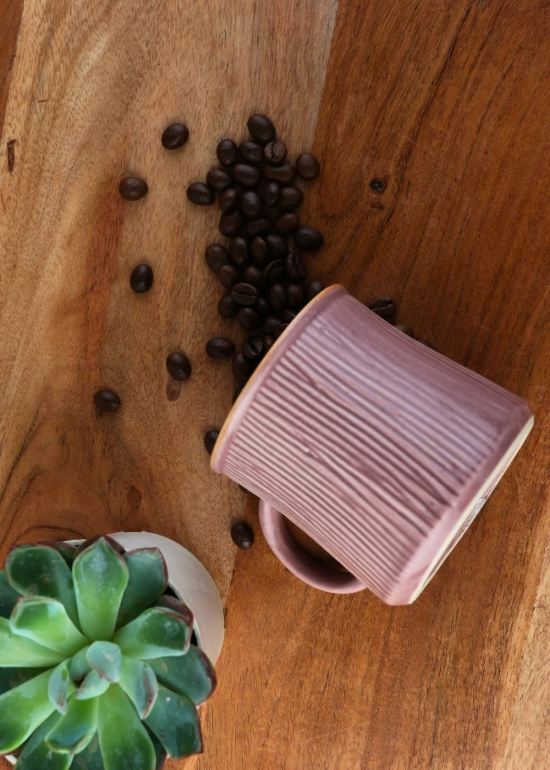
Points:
(67, 551)
(124, 741)
(175, 722)
(13, 677)
(79, 667)
(92, 686)
(100, 578)
(191, 675)
(60, 687)
(36, 754)
(106, 659)
(89, 758)
(22, 710)
(140, 684)
(8, 596)
(22, 652)
(76, 728)
(155, 633)
(39, 570)
(175, 605)
(148, 579)
(46, 622)
(160, 754)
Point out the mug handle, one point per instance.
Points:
(300, 563)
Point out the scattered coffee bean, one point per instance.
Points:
(287, 223)
(295, 267)
(307, 166)
(313, 289)
(269, 341)
(262, 305)
(295, 295)
(249, 319)
(244, 294)
(274, 272)
(405, 329)
(210, 438)
(308, 238)
(200, 194)
(288, 315)
(277, 297)
(216, 256)
(383, 306)
(253, 275)
(377, 185)
(219, 347)
(228, 201)
(132, 188)
(107, 400)
(240, 251)
(260, 254)
(218, 179)
(261, 128)
(251, 204)
(277, 246)
(270, 325)
(227, 307)
(237, 393)
(231, 224)
(242, 535)
(280, 329)
(290, 198)
(227, 152)
(270, 193)
(275, 152)
(246, 491)
(141, 279)
(248, 176)
(426, 343)
(253, 348)
(228, 276)
(256, 227)
(241, 367)
(175, 136)
(179, 366)
(272, 213)
(251, 152)
(284, 173)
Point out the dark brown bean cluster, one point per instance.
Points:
(386, 308)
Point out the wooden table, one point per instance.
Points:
(448, 104)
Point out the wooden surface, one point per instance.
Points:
(448, 103)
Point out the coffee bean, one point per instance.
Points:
(179, 366)
(295, 295)
(288, 315)
(256, 227)
(260, 254)
(274, 272)
(277, 296)
(426, 343)
(227, 308)
(405, 329)
(230, 224)
(287, 223)
(227, 152)
(241, 367)
(175, 136)
(246, 491)
(249, 319)
(244, 294)
(240, 251)
(251, 152)
(132, 188)
(269, 341)
(307, 166)
(275, 152)
(308, 238)
(262, 306)
(253, 275)
(261, 128)
(295, 267)
(270, 193)
(251, 204)
(218, 179)
(219, 348)
(242, 535)
(237, 393)
(253, 348)
(248, 176)
(228, 276)
(107, 400)
(313, 289)
(210, 439)
(272, 213)
(216, 256)
(383, 306)
(200, 194)
(141, 279)
(290, 198)
(284, 173)
(228, 201)
(271, 324)
(377, 185)
(280, 329)
(277, 246)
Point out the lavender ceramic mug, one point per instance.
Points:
(379, 448)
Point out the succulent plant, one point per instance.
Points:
(97, 668)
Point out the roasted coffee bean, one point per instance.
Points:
(308, 238)
(261, 128)
(218, 179)
(216, 256)
(237, 393)
(426, 343)
(251, 152)
(227, 307)
(275, 152)
(277, 246)
(307, 166)
(260, 253)
(245, 294)
(132, 188)
(288, 315)
(262, 306)
(248, 176)
(241, 367)
(313, 289)
(295, 295)
(107, 400)
(253, 275)
(200, 194)
(175, 136)
(251, 204)
(227, 152)
(295, 266)
(272, 213)
(271, 324)
(231, 224)
(290, 198)
(269, 341)
(274, 272)
(228, 276)
(253, 348)
(141, 279)
(277, 296)
(210, 439)
(280, 329)
(219, 347)
(377, 185)
(287, 223)
(270, 193)
(383, 306)
(179, 366)
(240, 251)
(249, 319)
(246, 491)
(405, 329)
(229, 200)
(242, 535)
(256, 227)
(285, 173)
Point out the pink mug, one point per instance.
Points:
(379, 448)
